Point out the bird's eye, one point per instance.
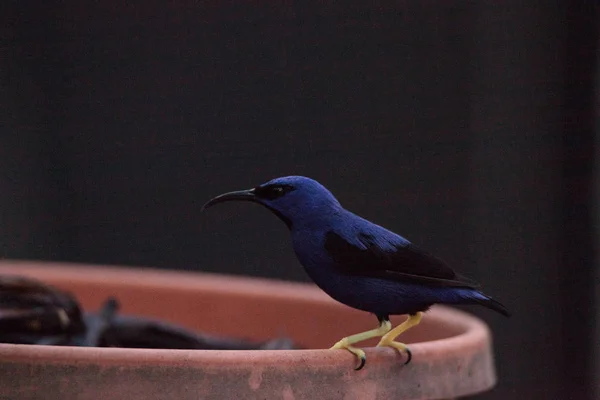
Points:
(271, 192)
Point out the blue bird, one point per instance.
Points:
(359, 263)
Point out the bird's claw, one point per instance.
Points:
(409, 356)
(360, 354)
(363, 360)
(401, 347)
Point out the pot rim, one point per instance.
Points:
(472, 330)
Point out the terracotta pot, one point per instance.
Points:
(452, 354)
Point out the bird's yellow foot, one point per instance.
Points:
(388, 338)
(344, 344)
(396, 345)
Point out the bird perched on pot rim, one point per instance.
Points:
(359, 263)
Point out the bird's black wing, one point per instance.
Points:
(399, 262)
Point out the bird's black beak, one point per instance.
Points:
(240, 195)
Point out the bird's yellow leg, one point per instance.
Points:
(388, 338)
(347, 342)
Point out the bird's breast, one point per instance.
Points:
(353, 291)
(310, 250)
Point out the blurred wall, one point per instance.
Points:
(464, 126)
(596, 240)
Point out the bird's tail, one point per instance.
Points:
(492, 304)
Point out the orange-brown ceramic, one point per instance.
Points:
(452, 355)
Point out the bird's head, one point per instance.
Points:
(292, 198)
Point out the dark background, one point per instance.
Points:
(469, 127)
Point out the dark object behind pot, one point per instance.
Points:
(34, 313)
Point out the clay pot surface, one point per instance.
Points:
(452, 355)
